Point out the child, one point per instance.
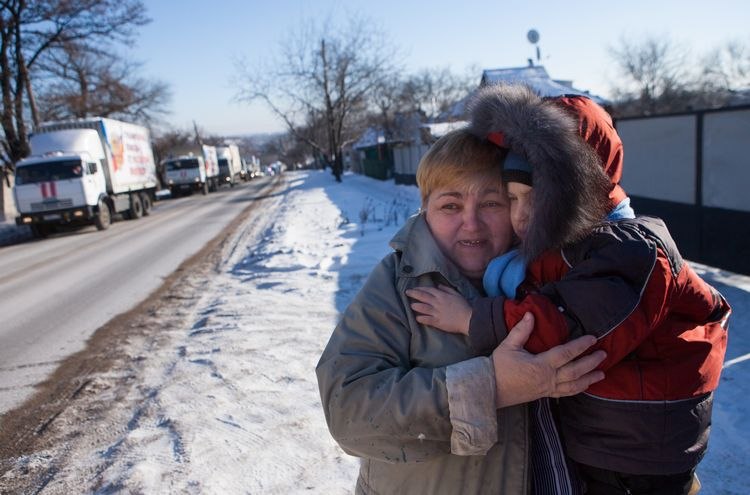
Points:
(644, 428)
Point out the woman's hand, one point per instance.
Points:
(441, 307)
(559, 372)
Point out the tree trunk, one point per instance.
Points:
(32, 101)
(338, 166)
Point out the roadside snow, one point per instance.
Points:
(233, 405)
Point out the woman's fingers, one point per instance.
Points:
(520, 333)
(422, 308)
(578, 385)
(423, 294)
(578, 375)
(562, 354)
(579, 367)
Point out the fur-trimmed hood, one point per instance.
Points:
(570, 187)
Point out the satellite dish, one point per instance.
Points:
(532, 36)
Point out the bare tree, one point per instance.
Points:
(654, 75)
(29, 29)
(657, 78)
(321, 82)
(727, 68)
(425, 96)
(78, 82)
(434, 91)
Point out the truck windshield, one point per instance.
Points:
(182, 164)
(223, 165)
(48, 171)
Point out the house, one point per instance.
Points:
(374, 150)
(537, 78)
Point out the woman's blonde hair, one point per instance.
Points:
(457, 158)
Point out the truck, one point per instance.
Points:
(191, 168)
(83, 172)
(252, 168)
(230, 164)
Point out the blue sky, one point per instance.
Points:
(192, 44)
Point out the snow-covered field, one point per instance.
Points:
(232, 405)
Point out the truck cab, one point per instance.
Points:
(225, 172)
(60, 187)
(230, 164)
(185, 173)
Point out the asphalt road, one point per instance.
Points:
(56, 292)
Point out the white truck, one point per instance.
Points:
(230, 164)
(252, 168)
(83, 171)
(191, 168)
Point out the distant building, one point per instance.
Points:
(534, 76)
(374, 150)
(537, 78)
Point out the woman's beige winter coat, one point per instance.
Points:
(394, 391)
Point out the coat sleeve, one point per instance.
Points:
(377, 403)
(617, 291)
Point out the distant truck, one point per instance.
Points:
(252, 168)
(191, 168)
(82, 172)
(230, 164)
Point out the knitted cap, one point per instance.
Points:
(516, 169)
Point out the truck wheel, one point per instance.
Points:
(103, 218)
(147, 204)
(136, 207)
(204, 189)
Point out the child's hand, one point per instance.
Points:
(441, 307)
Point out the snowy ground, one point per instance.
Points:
(231, 404)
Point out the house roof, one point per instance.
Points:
(537, 78)
(430, 132)
(371, 137)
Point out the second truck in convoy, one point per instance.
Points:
(191, 168)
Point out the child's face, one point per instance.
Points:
(520, 207)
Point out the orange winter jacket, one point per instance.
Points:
(664, 331)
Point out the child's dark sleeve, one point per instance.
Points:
(492, 317)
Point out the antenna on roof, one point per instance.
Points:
(533, 37)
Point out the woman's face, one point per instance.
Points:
(470, 225)
(520, 207)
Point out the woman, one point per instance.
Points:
(393, 390)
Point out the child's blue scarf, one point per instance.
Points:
(505, 273)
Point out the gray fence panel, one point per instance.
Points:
(726, 162)
(660, 157)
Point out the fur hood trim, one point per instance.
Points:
(570, 187)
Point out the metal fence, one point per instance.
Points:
(692, 170)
